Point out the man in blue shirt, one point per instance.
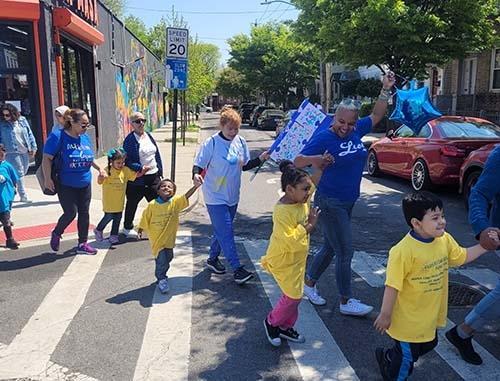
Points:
(485, 193)
(337, 192)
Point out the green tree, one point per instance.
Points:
(233, 84)
(273, 61)
(138, 28)
(158, 33)
(369, 87)
(404, 34)
(116, 6)
(203, 64)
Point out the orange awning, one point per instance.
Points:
(74, 25)
(20, 10)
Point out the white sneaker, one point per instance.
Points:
(311, 293)
(130, 233)
(354, 307)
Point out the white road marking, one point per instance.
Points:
(29, 353)
(165, 348)
(319, 358)
(372, 269)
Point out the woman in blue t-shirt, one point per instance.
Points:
(72, 150)
(337, 192)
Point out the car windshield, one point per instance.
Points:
(469, 129)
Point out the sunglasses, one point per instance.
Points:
(82, 125)
(139, 121)
(6, 115)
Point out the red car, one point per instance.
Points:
(434, 155)
(471, 169)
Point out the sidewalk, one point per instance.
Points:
(35, 221)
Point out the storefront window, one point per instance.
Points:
(495, 68)
(16, 68)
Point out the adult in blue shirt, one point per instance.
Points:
(337, 192)
(72, 150)
(485, 194)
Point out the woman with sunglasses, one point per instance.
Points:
(337, 192)
(19, 142)
(142, 155)
(72, 150)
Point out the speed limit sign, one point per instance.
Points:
(177, 43)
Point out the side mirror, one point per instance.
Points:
(390, 134)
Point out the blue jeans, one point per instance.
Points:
(335, 223)
(222, 217)
(21, 163)
(162, 263)
(488, 309)
(108, 217)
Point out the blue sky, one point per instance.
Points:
(214, 21)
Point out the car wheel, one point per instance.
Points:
(420, 178)
(373, 169)
(469, 182)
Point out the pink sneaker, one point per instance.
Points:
(113, 239)
(85, 248)
(98, 235)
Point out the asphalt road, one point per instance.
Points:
(208, 328)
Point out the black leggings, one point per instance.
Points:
(7, 226)
(135, 193)
(73, 201)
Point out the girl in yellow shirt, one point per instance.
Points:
(113, 193)
(286, 255)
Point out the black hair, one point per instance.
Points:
(166, 181)
(416, 205)
(290, 174)
(115, 154)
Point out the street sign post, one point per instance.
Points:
(176, 78)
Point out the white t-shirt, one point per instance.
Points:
(224, 160)
(18, 133)
(147, 153)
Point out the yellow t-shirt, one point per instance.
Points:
(419, 271)
(161, 220)
(286, 255)
(113, 189)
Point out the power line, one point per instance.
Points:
(201, 12)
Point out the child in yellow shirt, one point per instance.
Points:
(113, 193)
(160, 220)
(286, 255)
(416, 288)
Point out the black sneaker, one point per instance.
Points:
(383, 364)
(241, 275)
(216, 266)
(272, 333)
(12, 244)
(291, 334)
(464, 347)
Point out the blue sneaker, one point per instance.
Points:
(163, 286)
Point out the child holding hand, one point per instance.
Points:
(160, 220)
(285, 259)
(114, 186)
(416, 289)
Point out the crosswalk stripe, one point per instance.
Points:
(319, 358)
(166, 344)
(485, 277)
(29, 353)
(372, 269)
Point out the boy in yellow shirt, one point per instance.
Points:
(416, 289)
(160, 220)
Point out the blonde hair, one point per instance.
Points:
(136, 115)
(228, 115)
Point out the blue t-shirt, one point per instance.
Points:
(7, 188)
(75, 160)
(342, 179)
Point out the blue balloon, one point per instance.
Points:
(414, 108)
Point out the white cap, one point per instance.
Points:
(62, 109)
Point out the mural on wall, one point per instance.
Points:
(137, 90)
